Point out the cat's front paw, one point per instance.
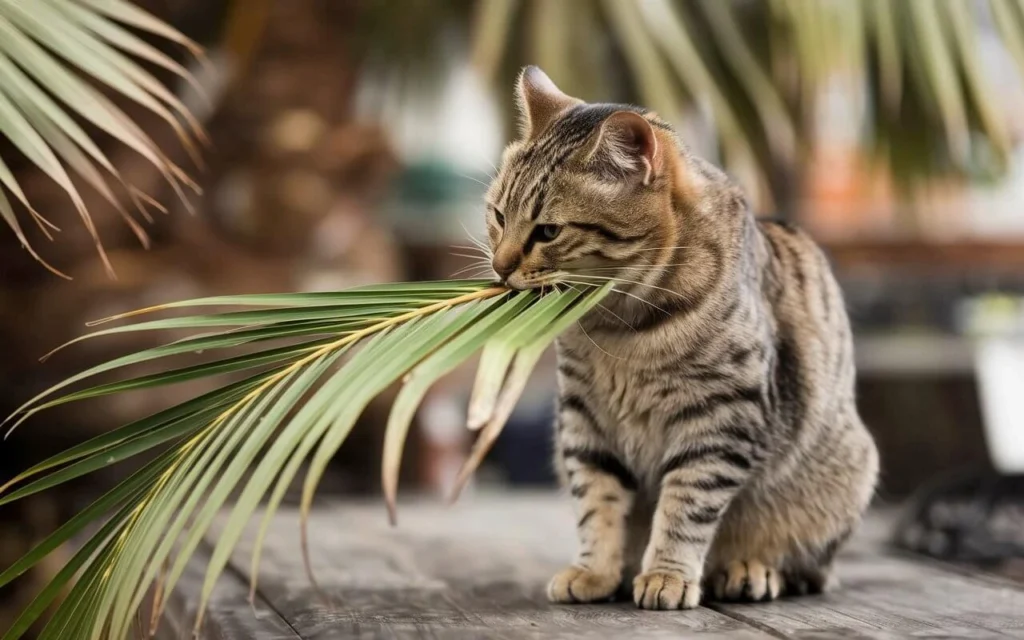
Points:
(665, 590)
(576, 585)
(746, 581)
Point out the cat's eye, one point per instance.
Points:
(547, 232)
(499, 217)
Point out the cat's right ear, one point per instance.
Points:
(539, 101)
(626, 147)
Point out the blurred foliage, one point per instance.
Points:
(912, 70)
(58, 61)
(758, 67)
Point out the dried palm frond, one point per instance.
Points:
(58, 58)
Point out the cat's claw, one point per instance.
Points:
(746, 581)
(665, 590)
(576, 585)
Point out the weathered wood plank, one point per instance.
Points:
(479, 570)
(230, 616)
(886, 595)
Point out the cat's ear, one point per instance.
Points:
(626, 146)
(539, 101)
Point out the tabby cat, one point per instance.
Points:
(706, 421)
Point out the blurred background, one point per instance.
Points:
(352, 141)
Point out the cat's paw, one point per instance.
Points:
(576, 585)
(665, 590)
(746, 581)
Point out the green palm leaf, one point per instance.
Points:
(299, 402)
(49, 50)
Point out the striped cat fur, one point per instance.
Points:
(706, 428)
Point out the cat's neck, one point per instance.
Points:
(704, 290)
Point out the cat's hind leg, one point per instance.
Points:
(760, 574)
(768, 548)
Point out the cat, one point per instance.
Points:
(706, 425)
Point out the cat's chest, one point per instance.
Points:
(625, 394)
(634, 416)
(626, 397)
(623, 386)
(633, 399)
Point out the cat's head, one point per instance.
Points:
(587, 192)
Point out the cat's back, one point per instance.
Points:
(814, 371)
(799, 286)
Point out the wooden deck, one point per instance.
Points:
(479, 569)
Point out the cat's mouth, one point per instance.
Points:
(534, 280)
(574, 275)
(522, 282)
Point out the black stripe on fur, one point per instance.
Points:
(605, 462)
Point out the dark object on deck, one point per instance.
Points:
(479, 570)
(972, 516)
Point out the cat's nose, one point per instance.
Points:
(506, 262)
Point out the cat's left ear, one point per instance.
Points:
(626, 146)
(539, 101)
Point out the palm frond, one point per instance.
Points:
(56, 59)
(320, 359)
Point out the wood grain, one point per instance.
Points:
(230, 616)
(478, 570)
(885, 594)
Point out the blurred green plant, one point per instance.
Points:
(58, 59)
(322, 358)
(759, 68)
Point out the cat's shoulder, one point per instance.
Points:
(788, 233)
(779, 225)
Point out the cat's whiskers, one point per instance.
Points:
(636, 282)
(479, 249)
(474, 267)
(475, 260)
(602, 307)
(664, 248)
(472, 271)
(467, 255)
(636, 267)
(619, 291)
(480, 245)
(480, 263)
(469, 248)
(615, 315)
(599, 347)
(480, 182)
(487, 161)
(593, 342)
